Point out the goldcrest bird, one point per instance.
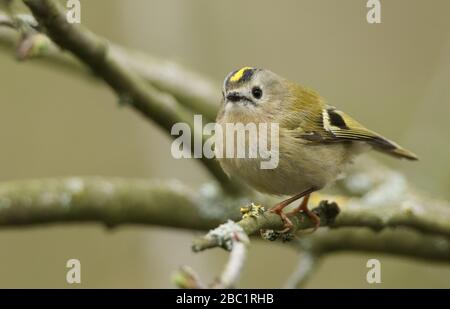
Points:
(316, 140)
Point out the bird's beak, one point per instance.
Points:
(234, 97)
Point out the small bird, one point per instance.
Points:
(316, 140)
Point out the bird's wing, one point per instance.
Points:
(336, 126)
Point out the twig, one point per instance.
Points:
(187, 278)
(192, 90)
(270, 221)
(196, 92)
(236, 240)
(402, 241)
(6, 21)
(233, 269)
(306, 266)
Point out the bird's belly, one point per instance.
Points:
(272, 181)
(298, 169)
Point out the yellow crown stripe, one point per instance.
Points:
(238, 75)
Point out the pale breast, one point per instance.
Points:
(301, 165)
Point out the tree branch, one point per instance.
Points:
(115, 201)
(269, 221)
(196, 92)
(383, 198)
(238, 241)
(110, 201)
(401, 241)
(6, 21)
(108, 64)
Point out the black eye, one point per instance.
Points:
(257, 92)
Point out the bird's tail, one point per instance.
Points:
(393, 149)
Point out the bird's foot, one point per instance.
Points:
(311, 215)
(287, 222)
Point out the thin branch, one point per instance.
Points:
(237, 240)
(307, 264)
(383, 198)
(401, 241)
(270, 221)
(6, 21)
(233, 269)
(187, 278)
(50, 57)
(196, 92)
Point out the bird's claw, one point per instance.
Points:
(288, 225)
(311, 215)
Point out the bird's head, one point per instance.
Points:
(253, 90)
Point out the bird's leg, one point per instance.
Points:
(278, 209)
(303, 207)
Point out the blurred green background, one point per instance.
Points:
(394, 77)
